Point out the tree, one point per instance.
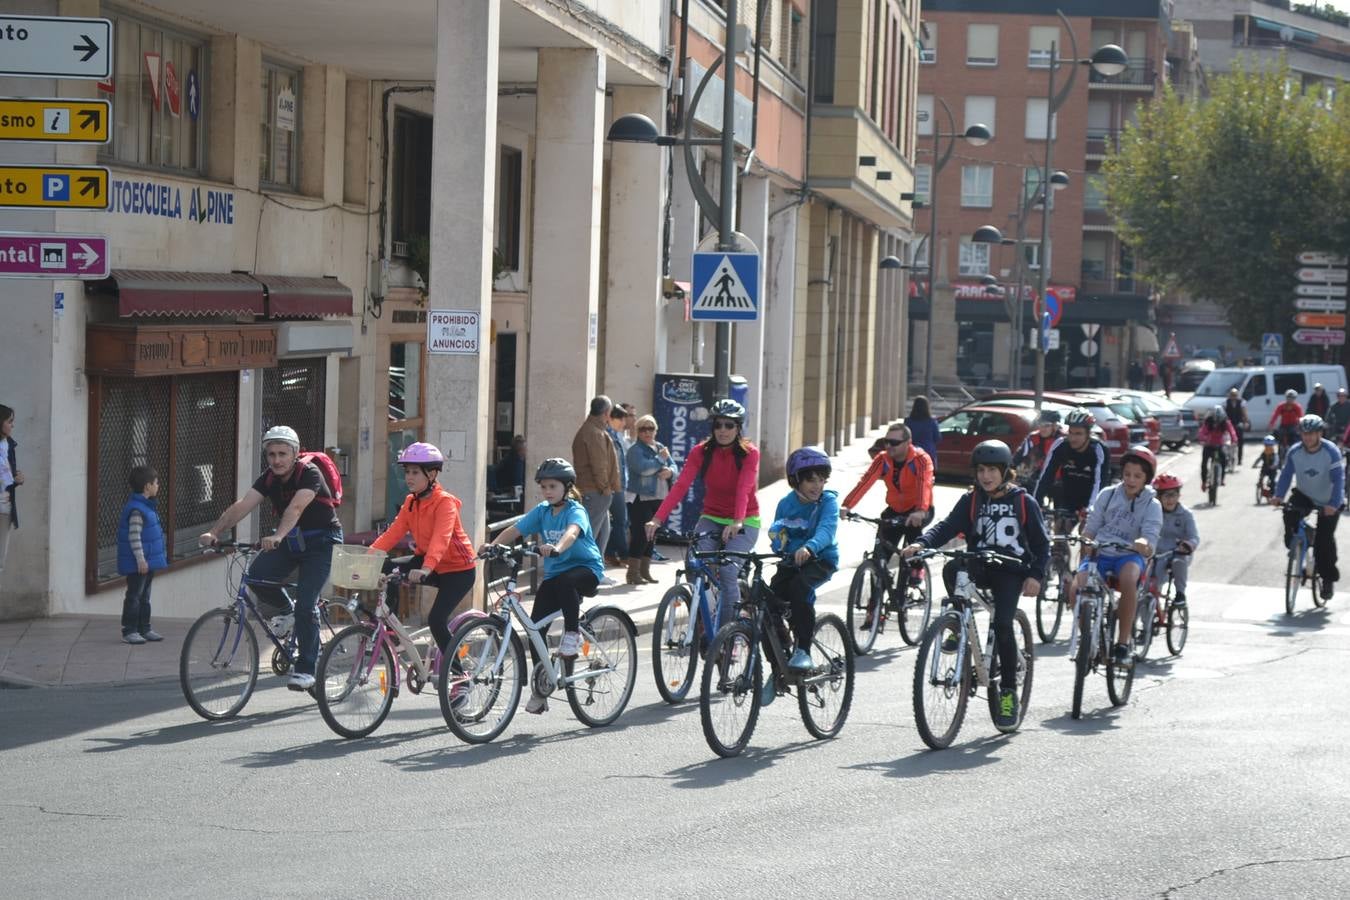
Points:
(1218, 197)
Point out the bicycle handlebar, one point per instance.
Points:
(988, 556)
(226, 547)
(505, 551)
(740, 554)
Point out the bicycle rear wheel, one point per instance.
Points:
(674, 662)
(824, 696)
(941, 684)
(218, 666)
(354, 696)
(865, 607)
(609, 651)
(1213, 473)
(1049, 611)
(479, 697)
(1026, 661)
(1293, 576)
(1145, 610)
(917, 606)
(1082, 661)
(729, 704)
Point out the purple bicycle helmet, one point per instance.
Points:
(421, 454)
(804, 459)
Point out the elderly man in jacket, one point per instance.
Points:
(597, 467)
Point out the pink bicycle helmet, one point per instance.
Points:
(421, 454)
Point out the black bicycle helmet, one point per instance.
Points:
(991, 453)
(556, 468)
(727, 408)
(1049, 417)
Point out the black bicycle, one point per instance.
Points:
(1054, 592)
(884, 584)
(734, 676)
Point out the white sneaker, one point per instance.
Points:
(607, 582)
(300, 681)
(571, 643)
(537, 703)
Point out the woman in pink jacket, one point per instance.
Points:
(729, 467)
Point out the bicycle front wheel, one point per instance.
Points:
(825, 694)
(608, 660)
(1050, 610)
(1082, 661)
(917, 606)
(1293, 577)
(478, 696)
(218, 667)
(1144, 612)
(674, 647)
(354, 695)
(729, 703)
(1178, 625)
(1026, 660)
(1214, 473)
(1119, 679)
(865, 609)
(941, 683)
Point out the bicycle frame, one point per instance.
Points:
(967, 596)
(404, 648)
(702, 582)
(1102, 599)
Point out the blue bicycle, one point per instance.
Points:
(686, 619)
(1301, 565)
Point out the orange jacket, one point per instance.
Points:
(909, 485)
(438, 536)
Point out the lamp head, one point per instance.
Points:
(978, 135)
(891, 262)
(987, 234)
(1059, 180)
(1109, 60)
(633, 128)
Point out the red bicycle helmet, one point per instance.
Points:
(1144, 456)
(1167, 482)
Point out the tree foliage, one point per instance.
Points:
(1217, 197)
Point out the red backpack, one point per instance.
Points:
(327, 469)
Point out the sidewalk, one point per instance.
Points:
(84, 650)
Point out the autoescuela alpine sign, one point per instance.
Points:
(455, 331)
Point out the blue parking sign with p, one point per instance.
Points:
(55, 187)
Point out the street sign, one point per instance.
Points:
(725, 287)
(64, 121)
(1320, 258)
(1172, 351)
(1054, 308)
(1320, 320)
(1272, 342)
(53, 255)
(1324, 338)
(1052, 336)
(65, 187)
(1321, 276)
(1272, 359)
(1319, 290)
(1319, 304)
(454, 331)
(55, 47)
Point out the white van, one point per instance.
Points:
(1263, 388)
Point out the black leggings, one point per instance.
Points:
(797, 587)
(1007, 588)
(563, 592)
(640, 512)
(1206, 453)
(452, 587)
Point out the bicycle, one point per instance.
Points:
(1301, 564)
(953, 661)
(873, 593)
(1050, 608)
(219, 662)
(1155, 610)
(357, 677)
(687, 614)
(1265, 484)
(733, 677)
(481, 684)
(1215, 472)
(1090, 643)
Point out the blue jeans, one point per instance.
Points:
(312, 554)
(618, 531)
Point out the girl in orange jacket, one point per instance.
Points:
(443, 555)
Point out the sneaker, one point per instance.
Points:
(537, 704)
(916, 577)
(800, 661)
(607, 582)
(1120, 655)
(300, 681)
(1007, 708)
(152, 636)
(133, 638)
(867, 621)
(1179, 601)
(951, 643)
(1328, 588)
(768, 692)
(570, 644)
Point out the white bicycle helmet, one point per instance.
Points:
(282, 434)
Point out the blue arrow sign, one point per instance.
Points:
(725, 287)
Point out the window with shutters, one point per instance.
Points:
(1042, 38)
(980, 111)
(981, 45)
(923, 182)
(1036, 109)
(928, 46)
(923, 114)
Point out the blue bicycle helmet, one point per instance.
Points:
(1270, 440)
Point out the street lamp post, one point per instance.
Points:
(977, 135)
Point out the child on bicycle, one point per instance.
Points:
(1125, 513)
(443, 555)
(996, 515)
(1268, 461)
(1179, 534)
(1216, 435)
(573, 565)
(804, 526)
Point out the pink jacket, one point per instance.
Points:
(1216, 437)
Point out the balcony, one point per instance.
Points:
(1102, 142)
(1095, 281)
(1141, 75)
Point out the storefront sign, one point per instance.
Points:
(141, 350)
(152, 198)
(454, 331)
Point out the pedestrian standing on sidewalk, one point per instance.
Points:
(616, 551)
(1135, 375)
(923, 427)
(597, 468)
(10, 478)
(1151, 373)
(140, 553)
(650, 471)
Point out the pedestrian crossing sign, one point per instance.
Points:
(1272, 342)
(725, 287)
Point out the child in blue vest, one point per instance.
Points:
(140, 552)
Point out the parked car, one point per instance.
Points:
(1191, 373)
(976, 422)
(1177, 423)
(1131, 408)
(1120, 430)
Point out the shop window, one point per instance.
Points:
(293, 393)
(158, 91)
(279, 158)
(186, 427)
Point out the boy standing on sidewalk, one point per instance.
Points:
(140, 551)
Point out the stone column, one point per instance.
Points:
(635, 343)
(942, 319)
(780, 310)
(463, 169)
(564, 300)
(747, 349)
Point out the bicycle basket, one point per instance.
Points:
(355, 567)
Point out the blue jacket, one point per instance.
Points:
(811, 525)
(643, 464)
(152, 536)
(617, 439)
(925, 434)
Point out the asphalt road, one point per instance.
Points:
(1224, 776)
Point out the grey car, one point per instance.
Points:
(1178, 423)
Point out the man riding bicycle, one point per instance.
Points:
(1318, 469)
(1235, 408)
(908, 474)
(1338, 418)
(1036, 446)
(1284, 420)
(1216, 435)
(1077, 467)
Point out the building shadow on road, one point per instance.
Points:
(957, 758)
(330, 749)
(190, 731)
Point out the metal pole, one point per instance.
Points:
(1039, 383)
(1019, 340)
(726, 235)
(932, 257)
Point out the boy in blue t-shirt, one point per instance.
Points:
(140, 553)
(573, 566)
(804, 526)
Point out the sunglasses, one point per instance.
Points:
(725, 425)
(647, 428)
(893, 443)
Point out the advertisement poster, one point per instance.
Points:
(681, 402)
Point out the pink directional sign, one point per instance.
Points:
(1311, 336)
(53, 255)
